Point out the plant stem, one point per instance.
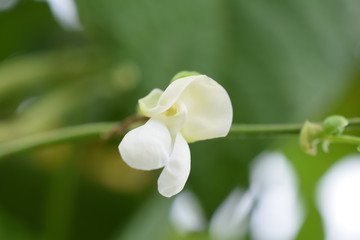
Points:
(278, 129)
(264, 129)
(98, 130)
(344, 139)
(68, 134)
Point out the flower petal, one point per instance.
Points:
(173, 117)
(171, 95)
(209, 110)
(149, 101)
(147, 147)
(173, 178)
(208, 107)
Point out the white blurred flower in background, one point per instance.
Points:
(279, 213)
(186, 214)
(338, 199)
(7, 4)
(66, 13)
(271, 209)
(230, 220)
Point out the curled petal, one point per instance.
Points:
(173, 178)
(149, 101)
(171, 94)
(209, 110)
(147, 147)
(174, 118)
(208, 107)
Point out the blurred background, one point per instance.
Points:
(67, 62)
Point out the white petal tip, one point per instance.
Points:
(173, 177)
(169, 192)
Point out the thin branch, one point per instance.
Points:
(264, 129)
(344, 139)
(113, 129)
(68, 134)
(124, 126)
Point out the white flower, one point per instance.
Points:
(230, 219)
(279, 211)
(190, 109)
(186, 214)
(338, 198)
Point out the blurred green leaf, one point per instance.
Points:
(11, 228)
(151, 222)
(61, 201)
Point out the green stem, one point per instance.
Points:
(68, 134)
(264, 129)
(97, 130)
(343, 139)
(278, 129)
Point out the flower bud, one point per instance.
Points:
(183, 74)
(310, 136)
(335, 125)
